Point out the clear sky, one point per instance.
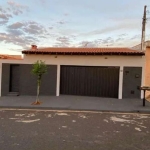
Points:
(71, 23)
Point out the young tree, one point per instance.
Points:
(39, 68)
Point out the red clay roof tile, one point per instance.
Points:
(89, 51)
(12, 57)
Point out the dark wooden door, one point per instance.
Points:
(132, 82)
(89, 81)
(14, 78)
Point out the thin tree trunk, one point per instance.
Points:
(38, 89)
(37, 98)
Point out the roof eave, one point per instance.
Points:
(85, 53)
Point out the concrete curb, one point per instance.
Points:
(73, 109)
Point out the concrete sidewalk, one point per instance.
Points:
(76, 103)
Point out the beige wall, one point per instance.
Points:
(147, 70)
(0, 76)
(147, 67)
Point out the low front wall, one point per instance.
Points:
(28, 82)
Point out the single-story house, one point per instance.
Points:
(102, 72)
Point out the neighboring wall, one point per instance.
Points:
(147, 70)
(146, 66)
(28, 82)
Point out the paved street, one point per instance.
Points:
(66, 130)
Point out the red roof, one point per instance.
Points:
(84, 51)
(14, 57)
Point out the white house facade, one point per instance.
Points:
(102, 72)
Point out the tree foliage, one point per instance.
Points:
(39, 68)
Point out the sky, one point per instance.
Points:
(71, 23)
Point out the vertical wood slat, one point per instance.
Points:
(90, 81)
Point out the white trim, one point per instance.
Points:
(120, 83)
(58, 81)
(0, 79)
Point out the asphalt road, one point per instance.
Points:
(55, 130)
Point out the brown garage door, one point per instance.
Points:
(89, 81)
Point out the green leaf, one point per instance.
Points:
(39, 68)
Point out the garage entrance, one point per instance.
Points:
(89, 81)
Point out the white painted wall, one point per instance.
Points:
(121, 61)
(87, 60)
(135, 61)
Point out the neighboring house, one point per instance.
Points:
(11, 57)
(102, 72)
(147, 65)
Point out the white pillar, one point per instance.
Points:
(143, 75)
(120, 83)
(58, 81)
(0, 78)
